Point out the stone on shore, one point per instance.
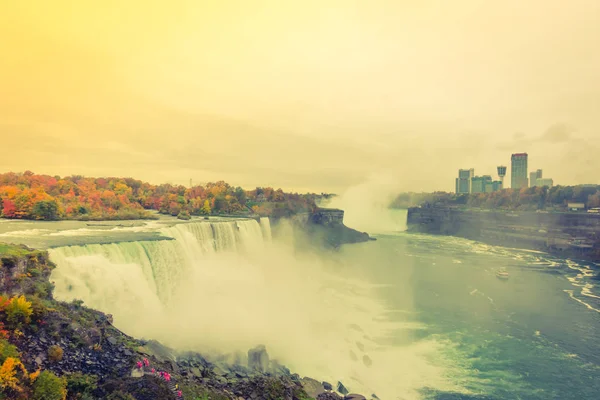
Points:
(312, 387)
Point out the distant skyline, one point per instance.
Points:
(306, 96)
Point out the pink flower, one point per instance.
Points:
(146, 362)
(139, 365)
(153, 371)
(179, 394)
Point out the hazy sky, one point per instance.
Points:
(304, 95)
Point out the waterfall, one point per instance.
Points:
(265, 225)
(226, 287)
(150, 269)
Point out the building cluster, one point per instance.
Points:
(467, 182)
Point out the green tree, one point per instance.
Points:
(48, 386)
(220, 204)
(45, 209)
(240, 194)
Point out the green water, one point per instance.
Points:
(533, 336)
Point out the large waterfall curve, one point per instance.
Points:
(226, 287)
(160, 265)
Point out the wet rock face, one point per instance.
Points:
(312, 387)
(258, 359)
(341, 388)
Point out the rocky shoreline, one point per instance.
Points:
(98, 361)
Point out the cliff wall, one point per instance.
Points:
(325, 227)
(563, 234)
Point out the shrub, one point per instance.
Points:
(119, 395)
(42, 289)
(81, 386)
(9, 380)
(55, 353)
(3, 331)
(184, 215)
(7, 350)
(4, 302)
(18, 311)
(48, 386)
(38, 307)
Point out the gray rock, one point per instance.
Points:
(278, 369)
(219, 371)
(258, 359)
(112, 340)
(374, 396)
(354, 396)
(341, 388)
(327, 386)
(312, 387)
(329, 396)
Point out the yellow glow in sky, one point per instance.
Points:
(306, 95)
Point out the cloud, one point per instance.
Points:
(558, 133)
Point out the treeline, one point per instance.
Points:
(555, 198)
(43, 197)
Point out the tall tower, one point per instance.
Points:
(502, 173)
(518, 171)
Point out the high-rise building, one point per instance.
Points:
(533, 178)
(479, 184)
(544, 182)
(463, 182)
(518, 171)
(501, 173)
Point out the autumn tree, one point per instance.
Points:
(45, 209)
(206, 210)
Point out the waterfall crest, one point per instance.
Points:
(161, 265)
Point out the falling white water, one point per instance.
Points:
(265, 225)
(218, 286)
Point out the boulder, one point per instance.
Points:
(258, 359)
(341, 388)
(327, 386)
(354, 396)
(329, 396)
(312, 387)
